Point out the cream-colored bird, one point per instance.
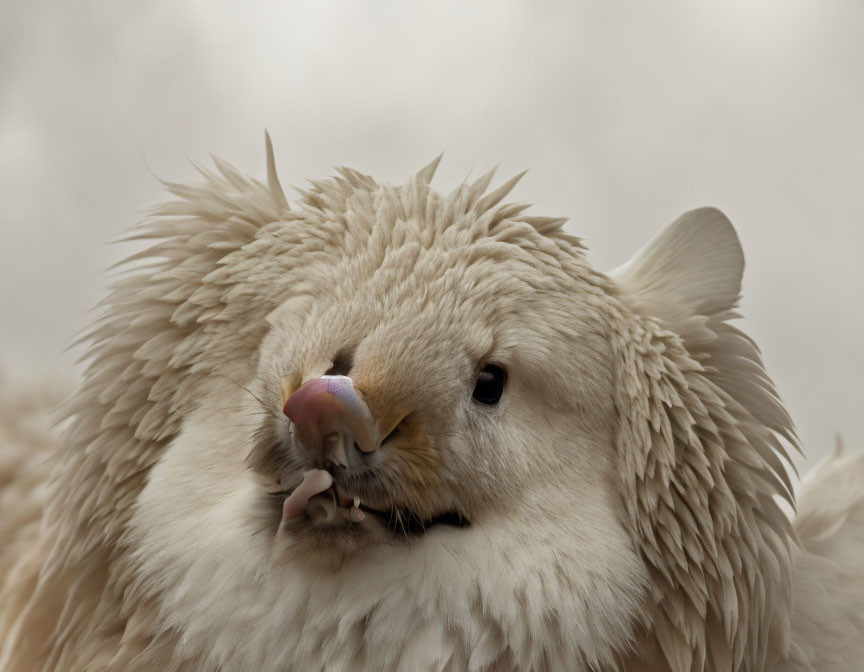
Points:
(386, 428)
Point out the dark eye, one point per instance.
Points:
(490, 385)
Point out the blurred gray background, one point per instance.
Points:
(626, 114)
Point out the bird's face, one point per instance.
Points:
(421, 423)
(461, 387)
(391, 421)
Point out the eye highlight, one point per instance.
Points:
(490, 385)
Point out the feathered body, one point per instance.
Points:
(622, 496)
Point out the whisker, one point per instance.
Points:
(251, 393)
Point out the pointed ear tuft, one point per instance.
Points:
(693, 267)
(427, 172)
(272, 178)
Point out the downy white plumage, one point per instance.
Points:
(615, 509)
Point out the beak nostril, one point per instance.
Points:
(342, 363)
(395, 431)
(391, 435)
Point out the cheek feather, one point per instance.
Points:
(414, 467)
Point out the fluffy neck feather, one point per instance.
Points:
(699, 454)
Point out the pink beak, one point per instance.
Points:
(332, 421)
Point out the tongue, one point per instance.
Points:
(314, 483)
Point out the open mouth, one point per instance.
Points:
(326, 504)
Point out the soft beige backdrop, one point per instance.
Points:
(626, 113)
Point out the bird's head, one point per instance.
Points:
(397, 399)
(434, 378)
